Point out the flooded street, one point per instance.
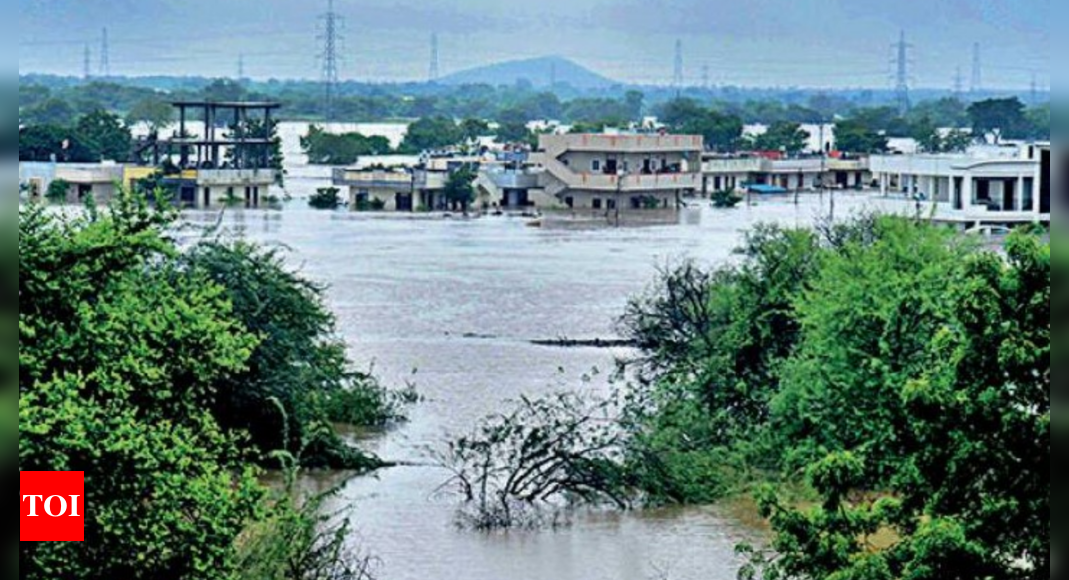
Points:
(459, 301)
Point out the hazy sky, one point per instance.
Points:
(810, 43)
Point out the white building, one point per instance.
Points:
(804, 174)
(618, 172)
(990, 185)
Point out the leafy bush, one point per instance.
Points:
(725, 199)
(119, 355)
(146, 368)
(58, 191)
(522, 467)
(906, 371)
(326, 198)
(298, 364)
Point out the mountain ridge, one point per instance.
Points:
(540, 72)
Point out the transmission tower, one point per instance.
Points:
(86, 64)
(330, 39)
(1035, 90)
(552, 75)
(977, 70)
(705, 77)
(241, 67)
(435, 69)
(677, 77)
(959, 84)
(105, 60)
(902, 74)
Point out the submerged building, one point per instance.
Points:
(986, 186)
(620, 172)
(504, 181)
(233, 162)
(738, 173)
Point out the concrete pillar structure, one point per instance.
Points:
(1019, 194)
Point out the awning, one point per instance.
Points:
(765, 189)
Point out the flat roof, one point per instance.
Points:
(228, 104)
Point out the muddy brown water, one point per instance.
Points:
(460, 301)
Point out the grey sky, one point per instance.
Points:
(811, 43)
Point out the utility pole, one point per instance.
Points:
(330, 39)
(902, 75)
(86, 64)
(977, 70)
(677, 77)
(435, 68)
(105, 59)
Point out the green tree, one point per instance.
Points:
(58, 191)
(325, 198)
(1003, 118)
(298, 372)
(721, 132)
(119, 350)
(224, 91)
(971, 496)
(868, 317)
(325, 148)
(1039, 122)
(927, 135)
(459, 189)
(52, 111)
(153, 111)
(947, 113)
(105, 136)
(43, 142)
(855, 137)
(783, 136)
(634, 101)
(512, 127)
(472, 129)
(431, 133)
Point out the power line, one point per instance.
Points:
(977, 70)
(902, 74)
(105, 60)
(330, 38)
(435, 70)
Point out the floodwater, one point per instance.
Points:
(459, 301)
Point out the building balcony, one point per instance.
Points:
(633, 183)
(638, 144)
(513, 179)
(373, 179)
(230, 177)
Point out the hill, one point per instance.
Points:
(537, 71)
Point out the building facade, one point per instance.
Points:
(722, 173)
(998, 186)
(619, 172)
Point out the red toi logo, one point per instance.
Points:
(52, 506)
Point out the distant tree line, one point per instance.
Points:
(860, 129)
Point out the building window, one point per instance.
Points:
(612, 204)
(595, 166)
(570, 202)
(596, 204)
(1044, 181)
